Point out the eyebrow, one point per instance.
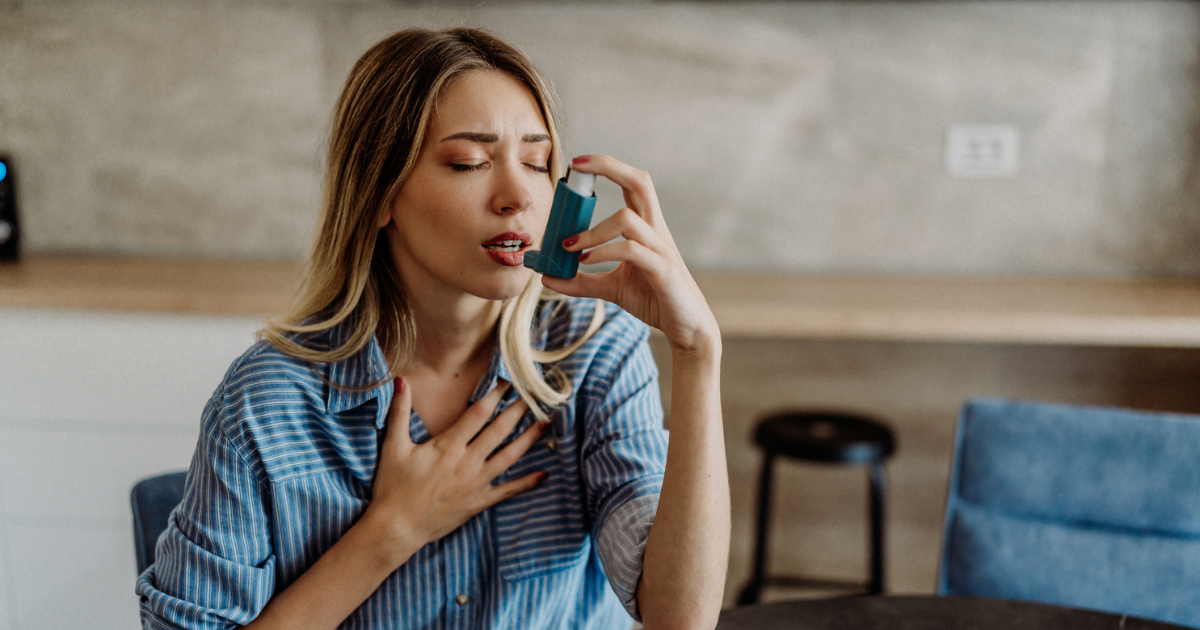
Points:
(478, 136)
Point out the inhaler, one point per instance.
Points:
(574, 201)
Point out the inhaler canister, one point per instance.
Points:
(574, 201)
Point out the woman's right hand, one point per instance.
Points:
(421, 493)
(424, 491)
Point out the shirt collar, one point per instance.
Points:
(360, 371)
(370, 366)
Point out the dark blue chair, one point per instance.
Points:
(152, 500)
(1085, 507)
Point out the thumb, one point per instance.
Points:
(397, 417)
(593, 285)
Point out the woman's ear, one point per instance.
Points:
(389, 208)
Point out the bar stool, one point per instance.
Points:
(827, 437)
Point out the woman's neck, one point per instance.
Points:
(453, 333)
(454, 347)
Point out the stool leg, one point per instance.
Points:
(752, 591)
(877, 520)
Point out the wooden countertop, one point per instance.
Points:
(169, 285)
(1036, 311)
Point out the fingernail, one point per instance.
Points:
(570, 240)
(542, 476)
(398, 384)
(584, 256)
(545, 426)
(581, 159)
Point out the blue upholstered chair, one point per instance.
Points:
(1086, 507)
(152, 501)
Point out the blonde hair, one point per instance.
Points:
(378, 128)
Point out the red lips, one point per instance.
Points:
(524, 237)
(508, 248)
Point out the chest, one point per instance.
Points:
(442, 398)
(537, 533)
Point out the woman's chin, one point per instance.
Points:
(507, 284)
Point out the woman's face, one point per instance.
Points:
(479, 194)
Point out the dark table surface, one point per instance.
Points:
(924, 613)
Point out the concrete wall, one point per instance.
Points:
(785, 136)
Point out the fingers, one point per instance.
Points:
(624, 223)
(626, 251)
(507, 456)
(512, 488)
(397, 436)
(594, 285)
(494, 434)
(607, 286)
(476, 416)
(637, 185)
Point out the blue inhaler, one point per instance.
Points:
(574, 201)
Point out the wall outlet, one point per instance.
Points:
(982, 150)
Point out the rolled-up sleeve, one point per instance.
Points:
(625, 453)
(213, 565)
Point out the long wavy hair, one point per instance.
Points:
(379, 126)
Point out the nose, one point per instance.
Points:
(512, 194)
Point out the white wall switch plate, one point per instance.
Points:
(982, 150)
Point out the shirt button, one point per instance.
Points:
(462, 599)
(552, 444)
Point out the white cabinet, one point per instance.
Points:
(91, 402)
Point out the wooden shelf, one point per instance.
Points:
(1051, 312)
(149, 284)
(1033, 311)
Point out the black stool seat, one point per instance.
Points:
(825, 437)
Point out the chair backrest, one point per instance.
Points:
(1086, 507)
(152, 500)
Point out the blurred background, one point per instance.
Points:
(798, 137)
(790, 135)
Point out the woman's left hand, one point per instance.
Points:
(651, 281)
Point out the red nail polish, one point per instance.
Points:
(584, 256)
(398, 384)
(581, 159)
(542, 476)
(570, 240)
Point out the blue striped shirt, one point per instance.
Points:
(284, 467)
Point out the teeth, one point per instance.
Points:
(506, 246)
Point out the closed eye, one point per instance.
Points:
(539, 168)
(467, 167)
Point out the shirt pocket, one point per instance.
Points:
(546, 529)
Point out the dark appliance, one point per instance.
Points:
(10, 227)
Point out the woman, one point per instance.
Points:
(368, 464)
